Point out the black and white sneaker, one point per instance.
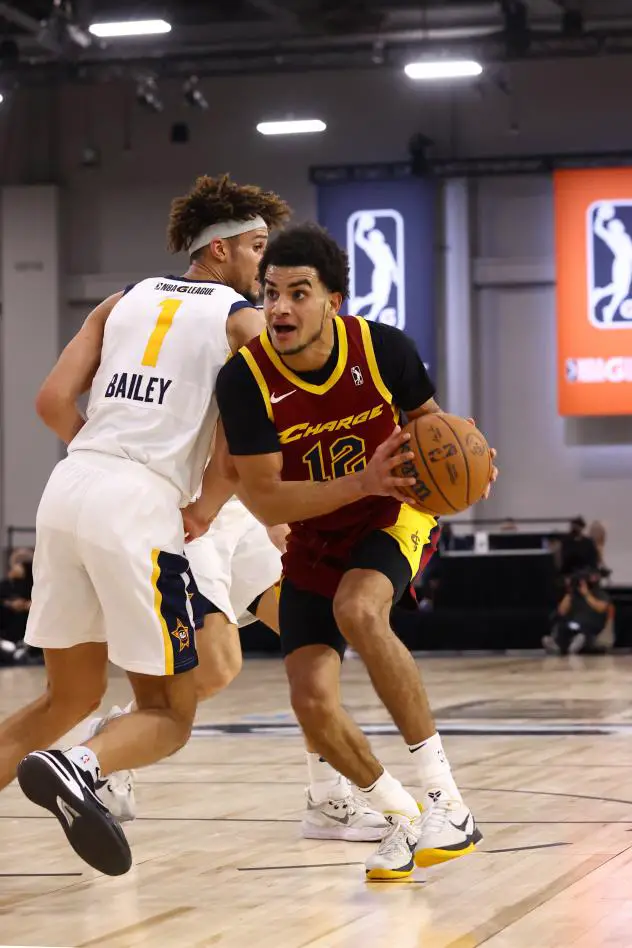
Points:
(51, 780)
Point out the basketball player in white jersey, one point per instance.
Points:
(236, 565)
(111, 580)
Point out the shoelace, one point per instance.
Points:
(121, 780)
(436, 817)
(392, 842)
(347, 803)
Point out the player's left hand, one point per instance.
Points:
(494, 473)
(197, 521)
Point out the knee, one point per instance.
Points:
(78, 703)
(213, 677)
(356, 616)
(312, 701)
(182, 731)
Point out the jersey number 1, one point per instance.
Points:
(168, 309)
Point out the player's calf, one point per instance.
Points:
(219, 654)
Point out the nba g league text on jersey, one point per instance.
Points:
(179, 288)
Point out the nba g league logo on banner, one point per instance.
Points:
(387, 229)
(610, 264)
(593, 223)
(375, 245)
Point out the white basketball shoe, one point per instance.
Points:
(395, 856)
(116, 791)
(342, 817)
(448, 829)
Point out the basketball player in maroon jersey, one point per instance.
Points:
(310, 411)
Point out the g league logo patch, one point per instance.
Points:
(609, 227)
(375, 244)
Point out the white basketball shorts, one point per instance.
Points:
(234, 562)
(109, 565)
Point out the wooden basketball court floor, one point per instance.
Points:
(541, 750)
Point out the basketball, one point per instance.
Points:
(452, 464)
(606, 212)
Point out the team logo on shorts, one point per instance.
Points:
(609, 227)
(181, 635)
(375, 245)
(415, 539)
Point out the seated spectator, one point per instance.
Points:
(581, 615)
(15, 597)
(577, 551)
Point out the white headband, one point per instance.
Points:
(225, 229)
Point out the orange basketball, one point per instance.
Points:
(452, 464)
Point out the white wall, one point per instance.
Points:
(114, 220)
(115, 214)
(550, 466)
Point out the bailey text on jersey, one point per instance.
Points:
(138, 387)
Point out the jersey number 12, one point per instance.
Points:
(168, 309)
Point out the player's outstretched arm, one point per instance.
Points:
(218, 485)
(56, 402)
(274, 501)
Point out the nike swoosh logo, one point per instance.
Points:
(339, 819)
(67, 811)
(275, 399)
(461, 826)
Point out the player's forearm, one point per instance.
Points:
(290, 501)
(218, 486)
(220, 476)
(62, 417)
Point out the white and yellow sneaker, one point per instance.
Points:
(394, 858)
(448, 830)
(345, 818)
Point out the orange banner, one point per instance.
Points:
(593, 237)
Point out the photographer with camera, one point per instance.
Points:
(581, 615)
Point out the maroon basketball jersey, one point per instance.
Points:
(327, 431)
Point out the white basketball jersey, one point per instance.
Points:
(152, 399)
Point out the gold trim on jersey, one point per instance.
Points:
(343, 352)
(378, 381)
(251, 362)
(411, 531)
(155, 576)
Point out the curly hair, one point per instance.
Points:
(309, 245)
(213, 200)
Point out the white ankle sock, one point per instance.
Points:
(433, 766)
(388, 796)
(324, 781)
(85, 759)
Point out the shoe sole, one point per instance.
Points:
(425, 858)
(388, 875)
(90, 829)
(344, 833)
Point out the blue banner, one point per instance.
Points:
(387, 228)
